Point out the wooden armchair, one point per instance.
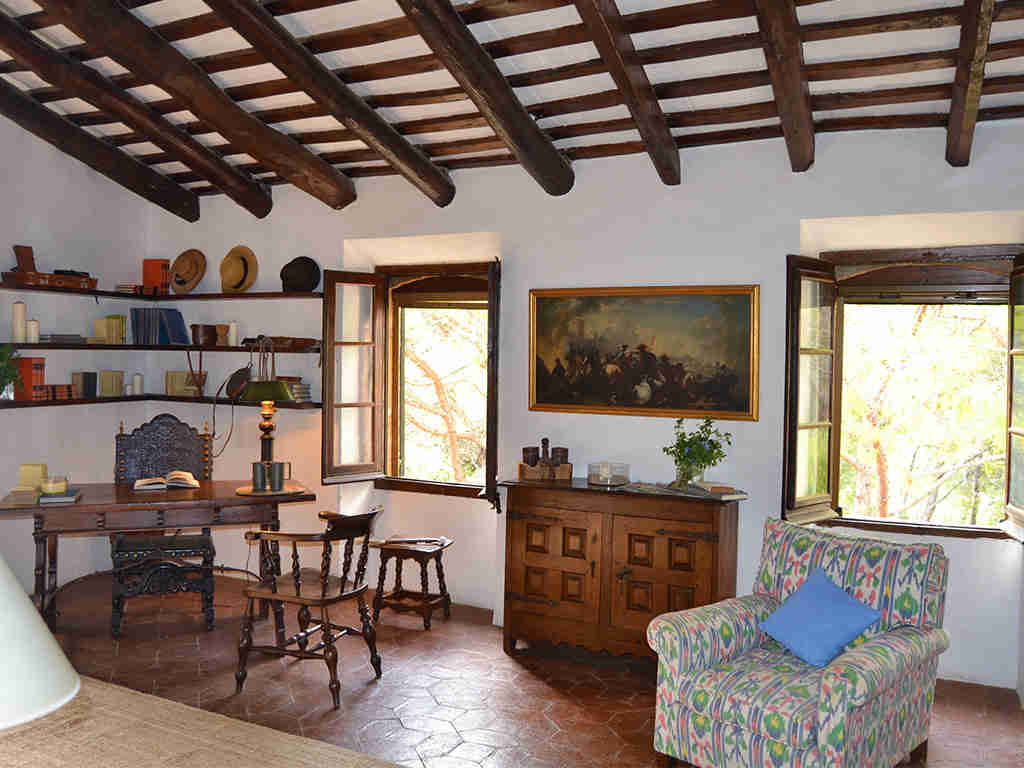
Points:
(154, 563)
(311, 589)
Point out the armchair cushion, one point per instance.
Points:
(818, 620)
(767, 690)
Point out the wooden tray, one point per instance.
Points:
(541, 472)
(47, 280)
(290, 489)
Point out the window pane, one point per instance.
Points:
(816, 299)
(812, 462)
(1017, 415)
(815, 389)
(353, 312)
(1017, 297)
(443, 390)
(924, 413)
(353, 374)
(353, 435)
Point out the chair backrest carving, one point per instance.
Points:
(162, 445)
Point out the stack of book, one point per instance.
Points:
(301, 391)
(58, 391)
(32, 371)
(62, 338)
(109, 330)
(128, 288)
(83, 384)
(158, 326)
(111, 383)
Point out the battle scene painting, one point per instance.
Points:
(659, 351)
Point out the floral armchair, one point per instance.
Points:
(731, 697)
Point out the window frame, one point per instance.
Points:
(386, 350)
(825, 510)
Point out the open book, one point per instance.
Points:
(179, 478)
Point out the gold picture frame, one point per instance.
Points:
(597, 350)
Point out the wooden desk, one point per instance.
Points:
(107, 508)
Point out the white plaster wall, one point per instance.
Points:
(733, 219)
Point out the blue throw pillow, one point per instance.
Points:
(819, 619)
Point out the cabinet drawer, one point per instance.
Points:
(659, 566)
(246, 513)
(554, 563)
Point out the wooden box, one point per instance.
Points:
(544, 472)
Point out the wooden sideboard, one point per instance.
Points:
(591, 567)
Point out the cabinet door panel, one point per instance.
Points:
(659, 566)
(554, 566)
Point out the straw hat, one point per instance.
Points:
(188, 269)
(238, 270)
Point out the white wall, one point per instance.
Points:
(733, 220)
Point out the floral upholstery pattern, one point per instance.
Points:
(731, 697)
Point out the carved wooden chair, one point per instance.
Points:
(154, 563)
(311, 590)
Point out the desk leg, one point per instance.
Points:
(39, 596)
(270, 561)
(50, 613)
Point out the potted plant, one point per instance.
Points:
(8, 371)
(695, 451)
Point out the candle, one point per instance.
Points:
(32, 331)
(18, 314)
(232, 334)
(137, 387)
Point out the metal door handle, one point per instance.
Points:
(623, 573)
(593, 565)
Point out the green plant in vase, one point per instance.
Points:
(693, 452)
(8, 370)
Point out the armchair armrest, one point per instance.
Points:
(880, 663)
(859, 675)
(692, 640)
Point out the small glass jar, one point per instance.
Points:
(607, 473)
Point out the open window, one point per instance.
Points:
(1014, 523)
(899, 386)
(420, 395)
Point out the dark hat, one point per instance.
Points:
(301, 274)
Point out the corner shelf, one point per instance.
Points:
(12, 404)
(169, 297)
(159, 347)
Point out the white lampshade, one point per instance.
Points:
(36, 676)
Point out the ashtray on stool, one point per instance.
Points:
(406, 600)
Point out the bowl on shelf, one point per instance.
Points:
(607, 473)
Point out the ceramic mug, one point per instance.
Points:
(277, 474)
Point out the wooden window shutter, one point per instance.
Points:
(813, 386)
(1013, 525)
(354, 350)
(490, 491)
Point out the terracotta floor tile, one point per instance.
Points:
(449, 698)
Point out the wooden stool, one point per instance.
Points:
(400, 599)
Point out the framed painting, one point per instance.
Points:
(659, 351)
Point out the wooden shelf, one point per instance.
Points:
(6, 404)
(158, 348)
(169, 297)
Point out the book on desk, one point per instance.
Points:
(179, 478)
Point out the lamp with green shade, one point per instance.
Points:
(264, 388)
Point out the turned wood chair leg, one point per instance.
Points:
(425, 586)
(331, 658)
(369, 635)
(378, 598)
(304, 621)
(244, 644)
(442, 586)
(919, 756)
(117, 609)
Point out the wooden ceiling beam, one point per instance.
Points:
(605, 28)
(451, 41)
(93, 87)
(97, 154)
(967, 83)
(783, 50)
(131, 43)
(304, 69)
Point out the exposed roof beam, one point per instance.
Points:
(109, 25)
(608, 33)
(308, 73)
(783, 50)
(452, 42)
(93, 87)
(967, 84)
(97, 154)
